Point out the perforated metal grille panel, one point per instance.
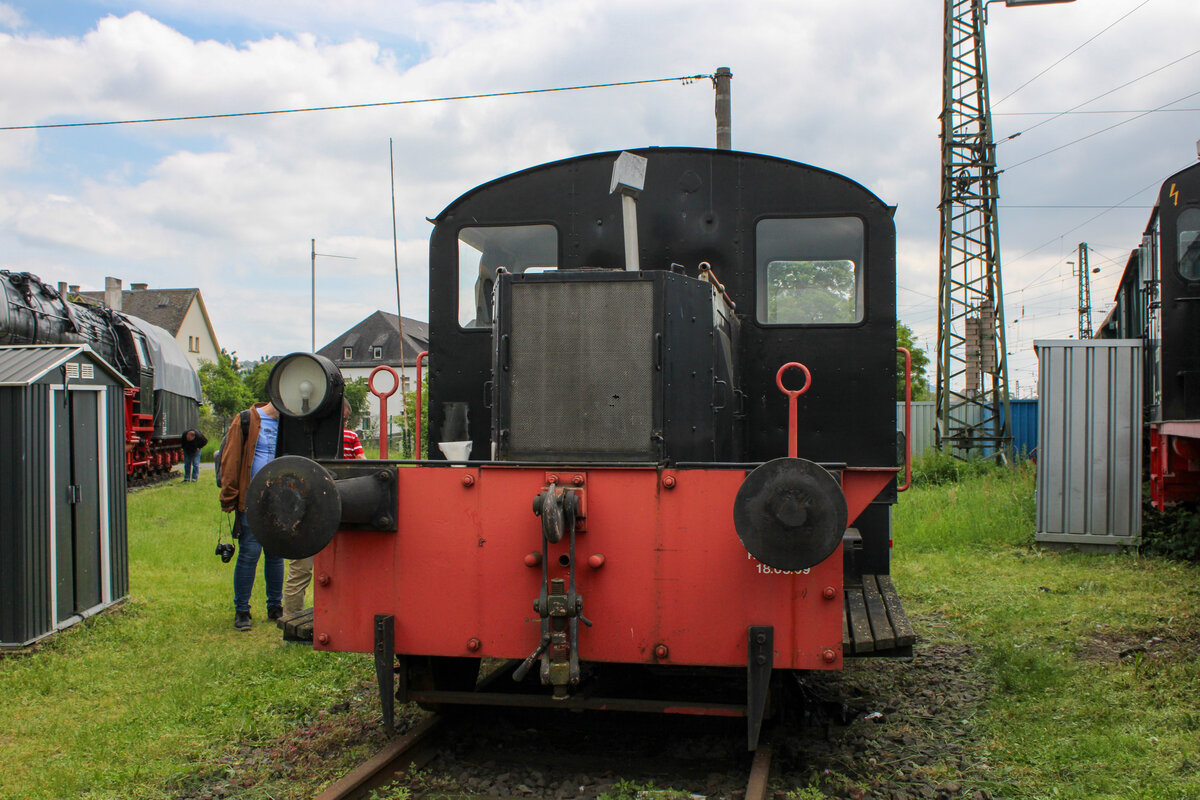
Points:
(582, 369)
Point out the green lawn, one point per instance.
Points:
(1068, 717)
(163, 696)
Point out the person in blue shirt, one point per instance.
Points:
(240, 462)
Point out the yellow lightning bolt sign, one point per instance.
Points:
(1174, 194)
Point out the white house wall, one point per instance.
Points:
(383, 381)
(194, 337)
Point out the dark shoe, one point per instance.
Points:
(274, 612)
(241, 620)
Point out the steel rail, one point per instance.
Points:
(370, 773)
(760, 770)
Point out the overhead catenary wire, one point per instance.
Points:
(1106, 94)
(1095, 133)
(1073, 52)
(382, 104)
(1076, 110)
(1060, 236)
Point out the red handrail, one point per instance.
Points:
(907, 418)
(385, 426)
(421, 356)
(792, 395)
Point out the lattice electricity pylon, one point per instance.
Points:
(972, 371)
(1085, 293)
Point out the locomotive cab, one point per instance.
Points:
(679, 469)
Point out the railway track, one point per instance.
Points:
(432, 738)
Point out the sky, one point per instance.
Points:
(232, 205)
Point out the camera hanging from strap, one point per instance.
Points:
(226, 550)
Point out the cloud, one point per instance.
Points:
(231, 205)
(10, 18)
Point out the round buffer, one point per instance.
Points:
(293, 507)
(790, 514)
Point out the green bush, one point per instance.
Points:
(1174, 533)
(937, 468)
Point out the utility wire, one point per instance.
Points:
(685, 78)
(1064, 233)
(1105, 94)
(1109, 111)
(1068, 55)
(1097, 133)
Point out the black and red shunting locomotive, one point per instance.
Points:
(164, 399)
(1158, 302)
(662, 405)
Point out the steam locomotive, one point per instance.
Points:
(662, 406)
(1158, 302)
(165, 399)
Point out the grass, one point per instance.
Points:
(1069, 717)
(150, 698)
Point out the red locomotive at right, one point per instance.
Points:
(662, 412)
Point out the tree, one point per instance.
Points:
(920, 389)
(256, 380)
(356, 395)
(811, 292)
(223, 388)
(410, 419)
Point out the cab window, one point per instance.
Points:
(1188, 226)
(484, 250)
(809, 271)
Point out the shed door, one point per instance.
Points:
(76, 492)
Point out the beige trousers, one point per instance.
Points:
(298, 577)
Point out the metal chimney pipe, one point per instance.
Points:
(724, 113)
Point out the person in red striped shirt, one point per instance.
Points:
(300, 569)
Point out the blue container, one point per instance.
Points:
(1024, 428)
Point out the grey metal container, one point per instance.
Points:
(1089, 484)
(63, 537)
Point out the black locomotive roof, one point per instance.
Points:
(651, 153)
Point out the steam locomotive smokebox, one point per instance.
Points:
(600, 365)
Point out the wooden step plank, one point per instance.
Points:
(298, 627)
(860, 625)
(881, 626)
(904, 630)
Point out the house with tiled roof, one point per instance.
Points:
(178, 311)
(378, 340)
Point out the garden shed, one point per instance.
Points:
(63, 538)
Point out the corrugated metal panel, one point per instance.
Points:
(1089, 487)
(25, 611)
(924, 418)
(118, 526)
(22, 365)
(924, 422)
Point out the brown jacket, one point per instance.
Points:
(237, 457)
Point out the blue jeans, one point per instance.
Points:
(247, 563)
(191, 465)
